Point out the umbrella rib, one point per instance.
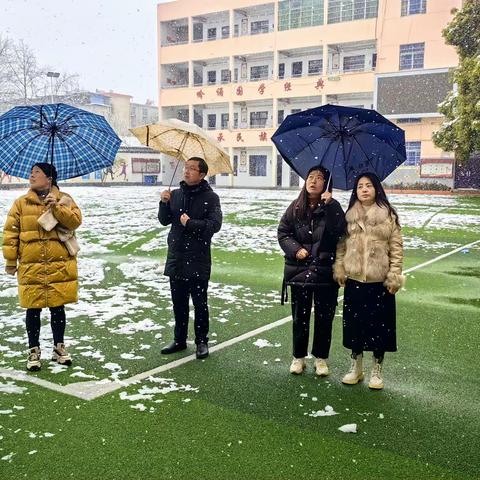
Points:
(165, 131)
(201, 146)
(363, 151)
(92, 146)
(71, 151)
(22, 150)
(15, 132)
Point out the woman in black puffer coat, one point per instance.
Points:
(308, 233)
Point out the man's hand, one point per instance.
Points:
(50, 200)
(326, 197)
(165, 196)
(302, 254)
(10, 270)
(184, 219)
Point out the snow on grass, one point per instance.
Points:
(348, 428)
(328, 411)
(262, 343)
(11, 387)
(151, 391)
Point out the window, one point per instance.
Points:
(226, 31)
(281, 70)
(259, 27)
(212, 34)
(295, 110)
(409, 120)
(413, 153)
(224, 120)
(315, 66)
(354, 63)
(297, 68)
(197, 78)
(235, 165)
(411, 56)
(235, 30)
(235, 74)
(299, 13)
(280, 116)
(197, 119)
(225, 75)
(235, 120)
(212, 121)
(98, 175)
(412, 7)
(86, 177)
(374, 61)
(259, 72)
(145, 165)
(258, 165)
(212, 77)
(198, 32)
(348, 10)
(258, 119)
(182, 114)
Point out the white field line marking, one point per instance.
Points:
(93, 389)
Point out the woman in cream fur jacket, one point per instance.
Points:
(369, 265)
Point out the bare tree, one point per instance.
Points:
(23, 73)
(5, 44)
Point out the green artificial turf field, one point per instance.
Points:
(240, 414)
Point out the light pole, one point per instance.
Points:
(52, 75)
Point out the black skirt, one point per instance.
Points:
(369, 317)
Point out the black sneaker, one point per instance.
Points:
(202, 350)
(173, 347)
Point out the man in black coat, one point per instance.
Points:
(195, 214)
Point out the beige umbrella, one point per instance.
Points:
(184, 140)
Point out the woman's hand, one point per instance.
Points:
(302, 254)
(342, 280)
(50, 200)
(393, 290)
(326, 197)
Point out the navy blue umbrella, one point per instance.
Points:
(75, 141)
(345, 140)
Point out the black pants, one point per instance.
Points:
(325, 302)
(57, 321)
(181, 291)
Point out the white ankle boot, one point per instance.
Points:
(355, 374)
(298, 366)
(376, 379)
(321, 367)
(33, 359)
(60, 355)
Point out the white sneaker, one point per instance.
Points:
(376, 380)
(33, 359)
(321, 367)
(355, 374)
(60, 355)
(298, 366)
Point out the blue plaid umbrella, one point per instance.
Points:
(75, 141)
(345, 140)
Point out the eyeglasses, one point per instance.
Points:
(190, 169)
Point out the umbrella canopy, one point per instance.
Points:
(184, 140)
(345, 140)
(75, 141)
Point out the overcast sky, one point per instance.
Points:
(110, 44)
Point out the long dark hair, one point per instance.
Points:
(301, 209)
(380, 195)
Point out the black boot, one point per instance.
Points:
(202, 350)
(173, 347)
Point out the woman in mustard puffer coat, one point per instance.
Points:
(46, 272)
